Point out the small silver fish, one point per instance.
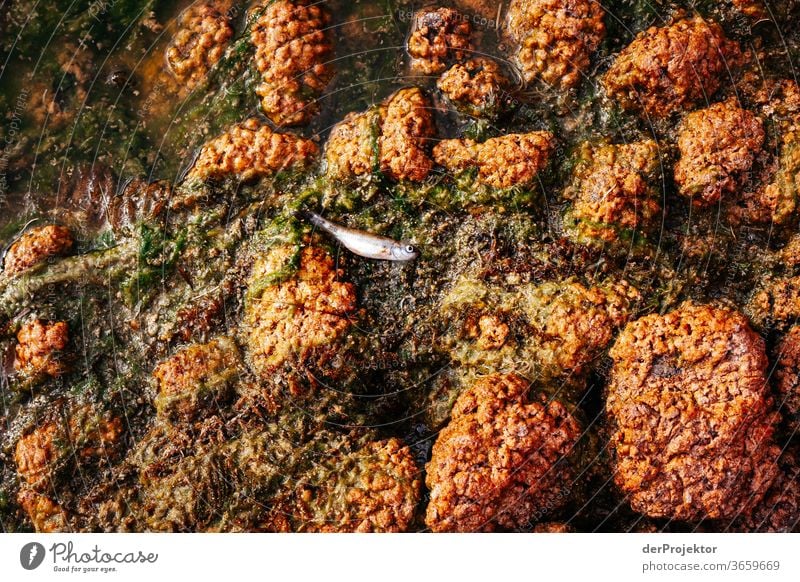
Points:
(365, 244)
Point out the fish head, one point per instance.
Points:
(404, 252)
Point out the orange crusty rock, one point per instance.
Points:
(555, 38)
(502, 461)
(45, 514)
(717, 147)
(351, 148)
(252, 150)
(203, 33)
(196, 380)
(36, 454)
(774, 199)
(293, 55)
(36, 245)
(776, 302)
(406, 134)
(375, 489)
(558, 328)
(776, 202)
(393, 138)
(573, 323)
(671, 68)
(691, 414)
(502, 162)
(40, 348)
(754, 9)
(288, 320)
(476, 87)
(439, 36)
(612, 190)
(86, 434)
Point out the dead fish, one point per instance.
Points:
(365, 244)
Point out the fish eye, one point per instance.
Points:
(411, 249)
